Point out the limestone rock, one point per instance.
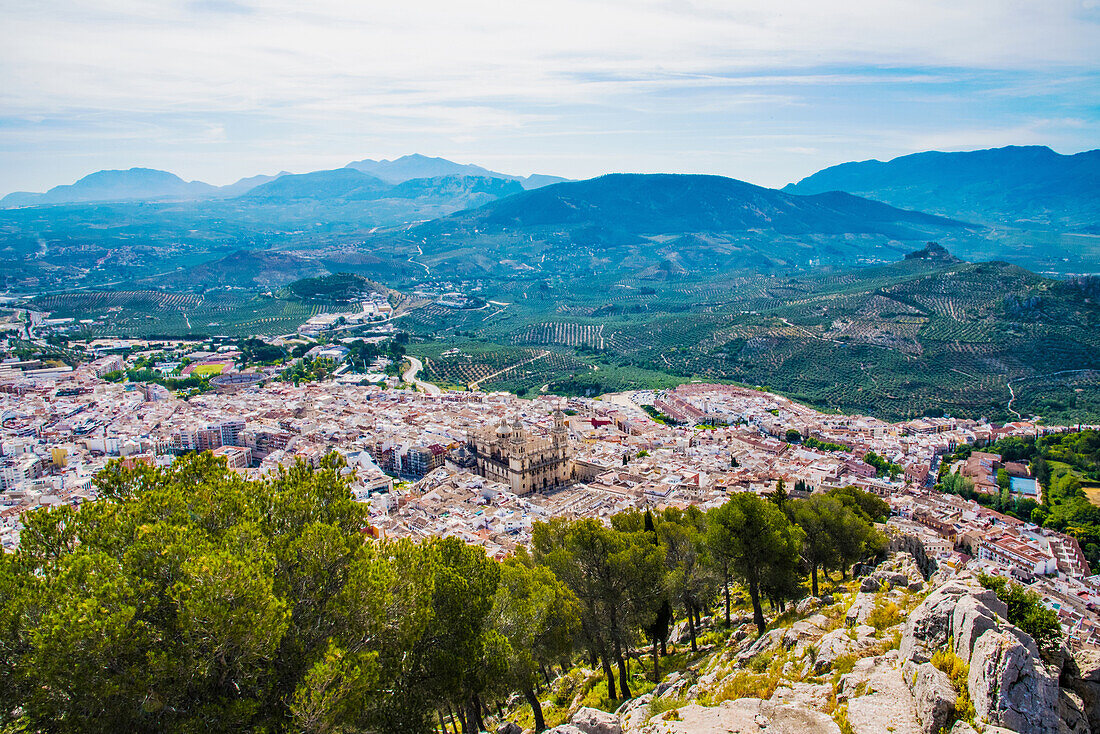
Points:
(594, 721)
(764, 642)
(930, 624)
(933, 695)
(509, 727)
(634, 713)
(1071, 713)
(861, 608)
(807, 695)
(969, 620)
(1084, 679)
(870, 584)
(961, 727)
(564, 729)
(807, 605)
(748, 715)
(878, 699)
(1009, 685)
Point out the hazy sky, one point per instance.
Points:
(765, 91)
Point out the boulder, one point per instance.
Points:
(744, 715)
(1083, 678)
(807, 605)
(634, 714)
(509, 727)
(764, 642)
(933, 696)
(930, 624)
(861, 608)
(961, 727)
(671, 682)
(594, 721)
(564, 729)
(1009, 685)
(801, 632)
(969, 621)
(870, 584)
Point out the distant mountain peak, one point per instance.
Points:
(1027, 186)
(417, 165)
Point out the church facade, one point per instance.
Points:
(509, 453)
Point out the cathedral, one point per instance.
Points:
(508, 453)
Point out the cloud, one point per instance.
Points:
(484, 78)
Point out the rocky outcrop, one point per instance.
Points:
(1010, 686)
(742, 715)
(1081, 675)
(933, 695)
(840, 642)
(878, 699)
(594, 721)
(509, 727)
(1008, 682)
(930, 625)
(634, 714)
(912, 547)
(970, 619)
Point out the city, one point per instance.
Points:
(484, 467)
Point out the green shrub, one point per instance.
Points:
(1026, 611)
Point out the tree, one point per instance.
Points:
(688, 580)
(538, 616)
(817, 517)
(792, 435)
(780, 496)
(616, 576)
(753, 539)
(867, 505)
(190, 599)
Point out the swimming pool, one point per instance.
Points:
(1024, 486)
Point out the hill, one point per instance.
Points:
(675, 223)
(420, 166)
(929, 334)
(136, 183)
(241, 269)
(341, 183)
(1028, 186)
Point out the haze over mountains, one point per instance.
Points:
(1029, 186)
(146, 184)
(120, 226)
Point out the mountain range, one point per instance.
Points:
(1021, 186)
(119, 226)
(664, 225)
(419, 166)
(147, 184)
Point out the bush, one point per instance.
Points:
(1026, 611)
(958, 671)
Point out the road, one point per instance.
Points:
(415, 365)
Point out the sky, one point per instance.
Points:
(765, 91)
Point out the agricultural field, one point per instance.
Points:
(902, 340)
(148, 313)
(918, 337)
